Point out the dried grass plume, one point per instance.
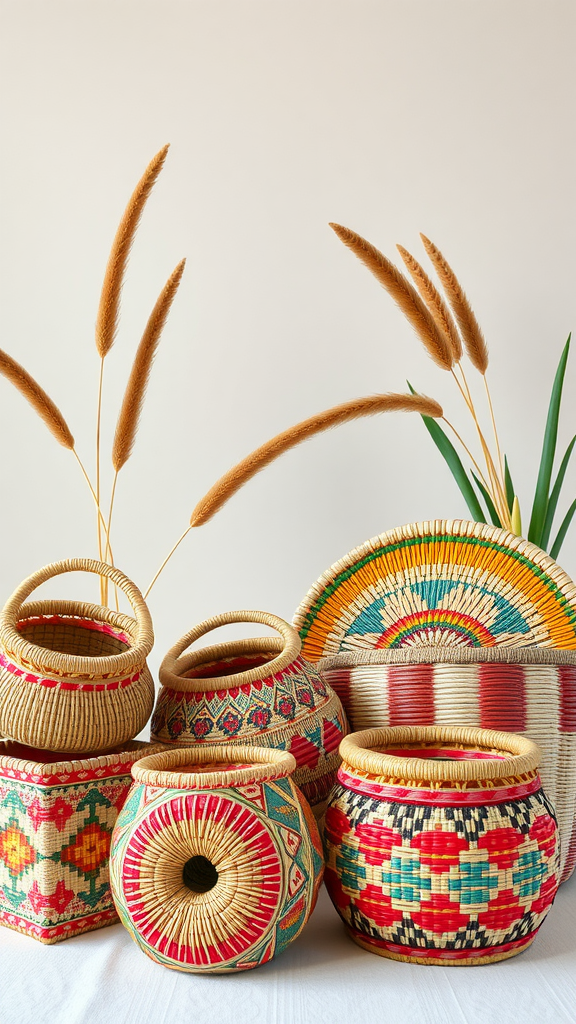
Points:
(235, 478)
(107, 319)
(37, 398)
(431, 296)
(469, 327)
(435, 342)
(129, 417)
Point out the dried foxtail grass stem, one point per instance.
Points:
(232, 481)
(129, 417)
(47, 410)
(109, 308)
(38, 399)
(436, 343)
(472, 336)
(243, 471)
(431, 296)
(107, 320)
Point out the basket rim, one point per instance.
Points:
(175, 662)
(262, 764)
(57, 662)
(75, 764)
(522, 754)
(446, 655)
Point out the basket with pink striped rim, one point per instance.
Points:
(454, 623)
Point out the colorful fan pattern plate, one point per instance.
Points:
(439, 583)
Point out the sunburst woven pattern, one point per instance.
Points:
(439, 583)
(216, 878)
(462, 875)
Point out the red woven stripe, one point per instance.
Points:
(502, 697)
(567, 698)
(411, 694)
(339, 680)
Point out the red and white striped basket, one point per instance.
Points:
(531, 691)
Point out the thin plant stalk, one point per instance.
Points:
(167, 559)
(493, 418)
(101, 519)
(466, 449)
(103, 587)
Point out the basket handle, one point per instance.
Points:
(289, 652)
(11, 610)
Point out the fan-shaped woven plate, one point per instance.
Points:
(447, 582)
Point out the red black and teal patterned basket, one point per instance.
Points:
(441, 847)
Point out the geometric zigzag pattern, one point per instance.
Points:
(424, 877)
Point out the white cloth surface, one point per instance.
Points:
(323, 978)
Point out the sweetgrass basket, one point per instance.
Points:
(73, 676)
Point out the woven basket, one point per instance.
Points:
(216, 858)
(526, 690)
(454, 623)
(73, 676)
(257, 691)
(441, 847)
(56, 821)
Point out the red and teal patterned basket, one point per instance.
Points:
(258, 691)
(454, 623)
(216, 858)
(441, 847)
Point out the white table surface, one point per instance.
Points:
(103, 978)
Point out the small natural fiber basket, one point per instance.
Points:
(257, 691)
(73, 676)
(441, 847)
(216, 858)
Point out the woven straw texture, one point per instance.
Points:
(441, 847)
(257, 691)
(216, 858)
(525, 694)
(442, 583)
(73, 676)
(56, 821)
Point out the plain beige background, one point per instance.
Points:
(452, 117)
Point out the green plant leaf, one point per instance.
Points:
(555, 549)
(540, 505)
(451, 457)
(489, 503)
(554, 496)
(510, 492)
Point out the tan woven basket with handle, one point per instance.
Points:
(258, 691)
(73, 676)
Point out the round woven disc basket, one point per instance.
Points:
(441, 847)
(73, 676)
(216, 858)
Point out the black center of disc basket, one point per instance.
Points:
(199, 874)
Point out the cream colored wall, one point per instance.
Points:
(447, 116)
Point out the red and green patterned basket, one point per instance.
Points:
(56, 821)
(441, 847)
